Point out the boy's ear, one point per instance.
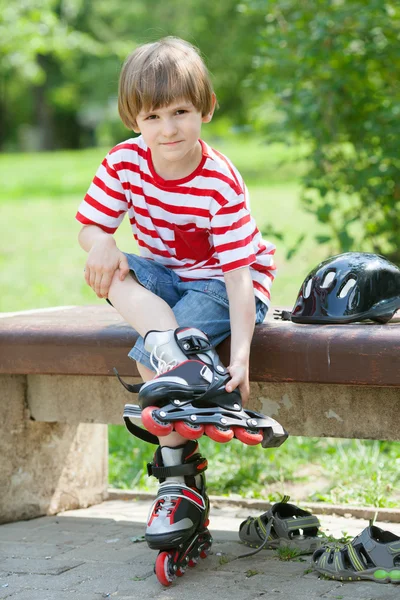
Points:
(207, 118)
(135, 128)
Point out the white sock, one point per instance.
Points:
(171, 458)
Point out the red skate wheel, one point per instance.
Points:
(249, 437)
(161, 569)
(204, 554)
(189, 431)
(155, 427)
(219, 434)
(192, 562)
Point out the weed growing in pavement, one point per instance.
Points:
(251, 573)
(285, 553)
(332, 539)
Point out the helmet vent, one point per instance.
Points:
(307, 289)
(348, 286)
(328, 278)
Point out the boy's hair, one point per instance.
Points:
(159, 73)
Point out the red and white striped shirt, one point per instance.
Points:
(199, 226)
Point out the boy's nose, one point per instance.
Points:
(169, 128)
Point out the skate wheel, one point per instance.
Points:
(192, 562)
(161, 569)
(203, 554)
(180, 572)
(249, 437)
(155, 427)
(189, 431)
(219, 434)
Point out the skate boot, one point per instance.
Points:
(188, 394)
(178, 519)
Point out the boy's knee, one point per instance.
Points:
(116, 278)
(116, 284)
(120, 286)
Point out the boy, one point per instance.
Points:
(202, 263)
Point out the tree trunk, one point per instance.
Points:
(44, 115)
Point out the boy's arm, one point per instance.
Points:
(104, 258)
(242, 310)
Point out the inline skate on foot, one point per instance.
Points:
(188, 394)
(178, 519)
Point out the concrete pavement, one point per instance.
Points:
(98, 552)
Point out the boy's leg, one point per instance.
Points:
(165, 521)
(139, 306)
(144, 311)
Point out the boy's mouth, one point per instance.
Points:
(171, 143)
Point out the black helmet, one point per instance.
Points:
(353, 286)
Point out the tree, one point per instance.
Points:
(41, 49)
(60, 59)
(329, 69)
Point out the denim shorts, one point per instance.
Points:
(200, 303)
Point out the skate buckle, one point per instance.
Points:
(193, 344)
(206, 374)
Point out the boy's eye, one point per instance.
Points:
(151, 117)
(181, 111)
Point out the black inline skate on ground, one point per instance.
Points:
(178, 519)
(188, 395)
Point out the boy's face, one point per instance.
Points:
(172, 132)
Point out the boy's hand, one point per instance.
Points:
(104, 259)
(240, 378)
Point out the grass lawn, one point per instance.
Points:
(41, 265)
(41, 262)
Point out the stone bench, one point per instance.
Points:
(58, 393)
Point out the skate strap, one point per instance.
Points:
(133, 388)
(192, 468)
(140, 433)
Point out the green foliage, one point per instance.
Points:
(60, 60)
(373, 486)
(327, 69)
(285, 553)
(251, 573)
(33, 28)
(331, 539)
(44, 46)
(252, 471)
